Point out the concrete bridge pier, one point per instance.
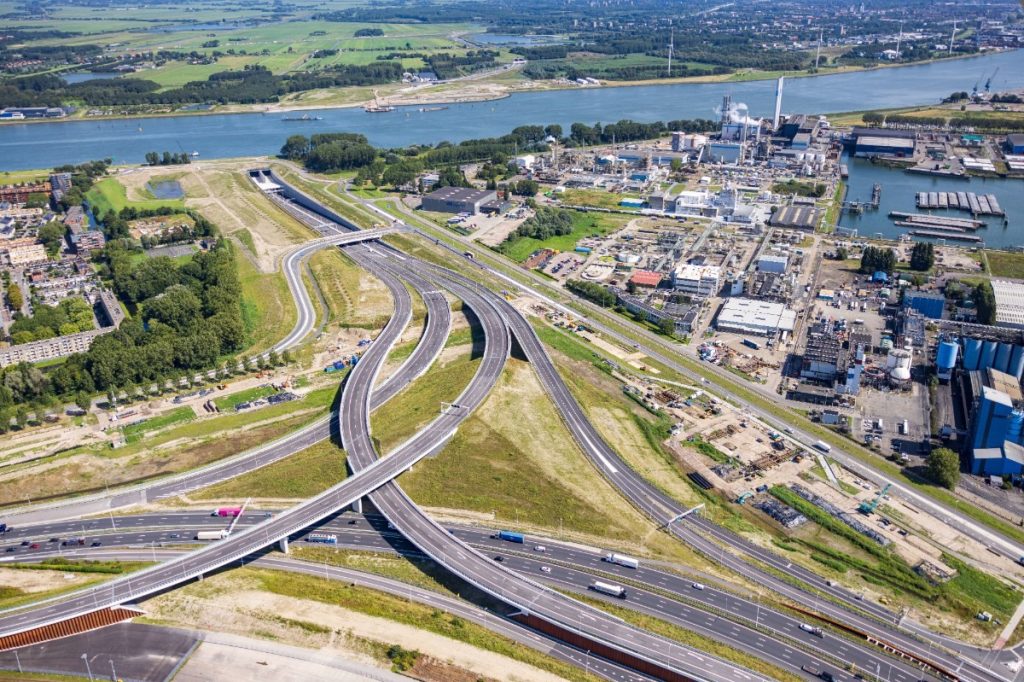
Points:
(282, 545)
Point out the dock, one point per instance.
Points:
(941, 222)
(942, 234)
(844, 171)
(976, 204)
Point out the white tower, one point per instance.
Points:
(671, 42)
(778, 103)
(951, 37)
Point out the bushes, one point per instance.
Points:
(548, 222)
(592, 292)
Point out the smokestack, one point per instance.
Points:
(778, 103)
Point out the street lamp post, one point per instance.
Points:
(88, 670)
(113, 673)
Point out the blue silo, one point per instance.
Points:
(988, 354)
(948, 351)
(1016, 367)
(1003, 356)
(972, 353)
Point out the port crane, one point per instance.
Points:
(988, 83)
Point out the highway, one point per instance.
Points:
(719, 614)
(436, 542)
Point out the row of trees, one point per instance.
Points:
(922, 256)
(592, 291)
(168, 159)
(877, 259)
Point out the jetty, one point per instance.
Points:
(941, 222)
(945, 234)
(975, 204)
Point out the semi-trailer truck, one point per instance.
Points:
(211, 535)
(226, 511)
(510, 536)
(622, 560)
(607, 588)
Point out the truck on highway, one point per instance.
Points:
(509, 536)
(607, 588)
(820, 674)
(823, 446)
(621, 560)
(323, 538)
(211, 535)
(226, 511)
(812, 630)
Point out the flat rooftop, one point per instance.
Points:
(1009, 303)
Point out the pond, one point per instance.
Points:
(166, 189)
(83, 76)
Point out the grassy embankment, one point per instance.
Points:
(584, 225)
(372, 603)
(301, 476)
(1005, 264)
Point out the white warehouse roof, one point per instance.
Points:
(757, 317)
(1009, 303)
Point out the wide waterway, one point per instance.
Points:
(44, 145)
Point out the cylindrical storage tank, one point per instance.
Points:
(903, 359)
(946, 357)
(1016, 366)
(988, 355)
(890, 359)
(899, 376)
(886, 344)
(972, 353)
(1003, 356)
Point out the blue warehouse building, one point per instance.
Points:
(928, 303)
(997, 428)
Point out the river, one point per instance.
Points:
(44, 145)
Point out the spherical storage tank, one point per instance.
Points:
(946, 358)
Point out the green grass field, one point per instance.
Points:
(268, 310)
(109, 194)
(584, 225)
(300, 476)
(180, 415)
(1006, 264)
(227, 403)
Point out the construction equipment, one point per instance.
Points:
(744, 497)
(868, 508)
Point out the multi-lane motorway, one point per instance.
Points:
(371, 474)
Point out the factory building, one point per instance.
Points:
(772, 262)
(883, 142)
(748, 316)
(460, 200)
(928, 303)
(724, 152)
(697, 280)
(1009, 303)
(996, 426)
(1015, 143)
(693, 203)
(824, 359)
(688, 142)
(796, 217)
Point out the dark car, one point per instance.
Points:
(96, 543)
(10, 549)
(25, 543)
(54, 539)
(499, 558)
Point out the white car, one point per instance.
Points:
(540, 548)
(545, 569)
(697, 586)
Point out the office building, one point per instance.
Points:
(773, 263)
(697, 280)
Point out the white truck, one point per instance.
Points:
(211, 535)
(607, 588)
(621, 560)
(823, 446)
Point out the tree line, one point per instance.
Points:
(168, 159)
